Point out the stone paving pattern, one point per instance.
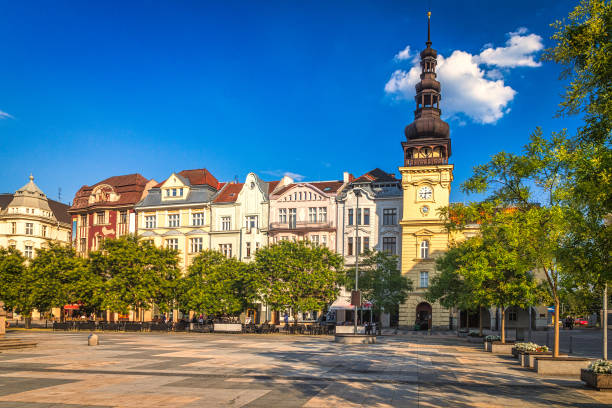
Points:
(211, 370)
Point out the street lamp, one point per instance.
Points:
(357, 296)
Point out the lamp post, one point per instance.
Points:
(357, 222)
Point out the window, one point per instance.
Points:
(350, 216)
(174, 192)
(44, 231)
(512, 315)
(366, 244)
(13, 227)
(282, 215)
(312, 214)
(358, 220)
(314, 239)
(322, 214)
(29, 252)
(256, 246)
(150, 221)
(350, 246)
(366, 216)
(29, 228)
(324, 240)
(251, 221)
(226, 223)
(226, 249)
(83, 220)
(180, 192)
(424, 249)
(248, 249)
(123, 217)
(424, 282)
(83, 244)
(195, 245)
(389, 215)
(168, 193)
(172, 243)
(174, 220)
(389, 245)
(101, 218)
(197, 219)
(292, 218)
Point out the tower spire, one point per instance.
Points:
(428, 43)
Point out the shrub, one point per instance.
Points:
(492, 338)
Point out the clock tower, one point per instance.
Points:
(426, 183)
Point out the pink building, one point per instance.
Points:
(305, 210)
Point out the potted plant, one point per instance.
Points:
(598, 375)
(489, 340)
(475, 337)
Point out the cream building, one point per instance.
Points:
(29, 220)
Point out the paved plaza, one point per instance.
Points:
(212, 370)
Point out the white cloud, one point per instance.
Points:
(403, 54)
(469, 87)
(4, 115)
(519, 51)
(282, 173)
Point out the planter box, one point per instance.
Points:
(601, 382)
(228, 327)
(527, 358)
(560, 365)
(475, 339)
(350, 329)
(515, 352)
(501, 348)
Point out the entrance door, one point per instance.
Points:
(423, 315)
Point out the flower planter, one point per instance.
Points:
(526, 358)
(497, 347)
(601, 382)
(515, 352)
(560, 365)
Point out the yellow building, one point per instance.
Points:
(426, 184)
(176, 213)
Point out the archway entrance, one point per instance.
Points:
(423, 316)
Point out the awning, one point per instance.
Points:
(342, 304)
(71, 307)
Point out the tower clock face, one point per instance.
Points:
(425, 193)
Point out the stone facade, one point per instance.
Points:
(29, 220)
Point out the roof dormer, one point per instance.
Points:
(174, 188)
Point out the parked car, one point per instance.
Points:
(581, 322)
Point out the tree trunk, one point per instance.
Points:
(503, 325)
(28, 322)
(62, 314)
(480, 321)
(458, 321)
(556, 329)
(295, 319)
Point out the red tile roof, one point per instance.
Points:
(327, 187)
(229, 194)
(197, 177)
(130, 188)
(376, 175)
(272, 185)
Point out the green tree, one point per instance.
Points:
(298, 275)
(381, 282)
(60, 277)
(135, 274)
(450, 288)
(217, 285)
(14, 280)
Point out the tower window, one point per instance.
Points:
(424, 249)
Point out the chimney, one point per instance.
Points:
(346, 177)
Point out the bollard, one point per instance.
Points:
(571, 346)
(92, 340)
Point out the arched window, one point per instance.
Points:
(424, 249)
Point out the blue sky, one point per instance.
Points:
(91, 90)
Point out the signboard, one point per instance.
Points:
(356, 298)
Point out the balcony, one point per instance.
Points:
(426, 161)
(301, 226)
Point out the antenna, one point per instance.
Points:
(59, 194)
(236, 179)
